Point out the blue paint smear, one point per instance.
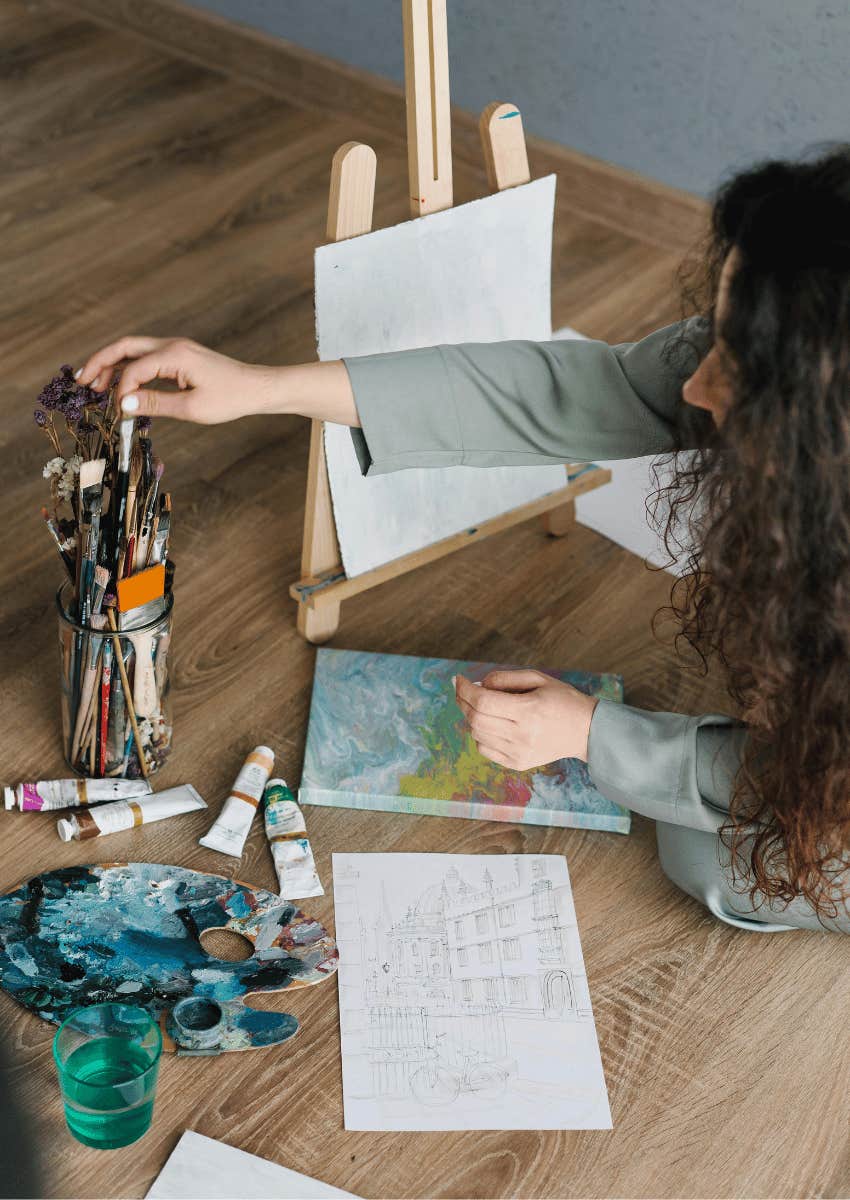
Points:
(84, 935)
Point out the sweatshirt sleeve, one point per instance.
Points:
(521, 403)
(666, 766)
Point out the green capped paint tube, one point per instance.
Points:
(293, 857)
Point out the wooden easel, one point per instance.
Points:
(323, 584)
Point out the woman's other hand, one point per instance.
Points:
(524, 719)
(211, 388)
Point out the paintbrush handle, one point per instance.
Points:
(85, 701)
(106, 683)
(120, 499)
(145, 697)
(128, 699)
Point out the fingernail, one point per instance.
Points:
(78, 372)
(130, 403)
(477, 683)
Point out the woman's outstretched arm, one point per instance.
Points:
(212, 388)
(493, 404)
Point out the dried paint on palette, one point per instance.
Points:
(386, 733)
(132, 932)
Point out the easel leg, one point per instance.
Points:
(558, 522)
(318, 625)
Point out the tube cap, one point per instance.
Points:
(9, 797)
(65, 829)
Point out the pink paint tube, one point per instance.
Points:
(49, 794)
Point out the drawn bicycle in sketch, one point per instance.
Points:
(441, 1081)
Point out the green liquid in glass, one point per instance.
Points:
(107, 1103)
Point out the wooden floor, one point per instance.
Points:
(141, 192)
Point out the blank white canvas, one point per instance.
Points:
(199, 1166)
(480, 272)
(463, 995)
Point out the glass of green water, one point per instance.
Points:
(107, 1057)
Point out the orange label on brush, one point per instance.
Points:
(141, 588)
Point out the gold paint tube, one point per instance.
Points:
(233, 823)
(127, 814)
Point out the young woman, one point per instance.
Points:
(753, 816)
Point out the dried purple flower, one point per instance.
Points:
(40, 417)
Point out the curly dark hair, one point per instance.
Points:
(762, 511)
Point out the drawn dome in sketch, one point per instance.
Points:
(432, 902)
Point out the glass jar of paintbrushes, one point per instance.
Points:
(111, 524)
(115, 692)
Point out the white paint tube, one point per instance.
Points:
(49, 794)
(127, 814)
(293, 857)
(233, 823)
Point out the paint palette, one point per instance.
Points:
(131, 932)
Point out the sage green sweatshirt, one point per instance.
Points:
(535, 403)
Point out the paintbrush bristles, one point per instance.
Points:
(91, 472)
(136, 461)
(101, 577)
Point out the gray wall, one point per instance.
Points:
(680, 90)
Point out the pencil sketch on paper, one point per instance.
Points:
(463, 995)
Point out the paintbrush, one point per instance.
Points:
(101, 579)
(117, 722)
(91, 497)
(105, 684)
(131, 713)
(147, 516)
(87, 689)
(146, 451)
(67, 559)
(141, 602)
(131, 510)
(121, 483)
(159, 543)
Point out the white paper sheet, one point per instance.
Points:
(480, 272)
(463, 995)
(200, 1168)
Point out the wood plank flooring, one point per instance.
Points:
(143, 192)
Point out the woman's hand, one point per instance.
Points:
(523, 719)
(212, 387)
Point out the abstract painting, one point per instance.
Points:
(131, 932)
(463, 996)
(386, 733)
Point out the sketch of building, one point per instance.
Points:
(453, 984)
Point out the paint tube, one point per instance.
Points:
(49, 794)
(293, 857)
(127, 814)
(233, 823)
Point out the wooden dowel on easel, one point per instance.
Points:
(426, 87)
(350, 204)
(503, 143)
(352, 192)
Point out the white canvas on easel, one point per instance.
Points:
(480, 272)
